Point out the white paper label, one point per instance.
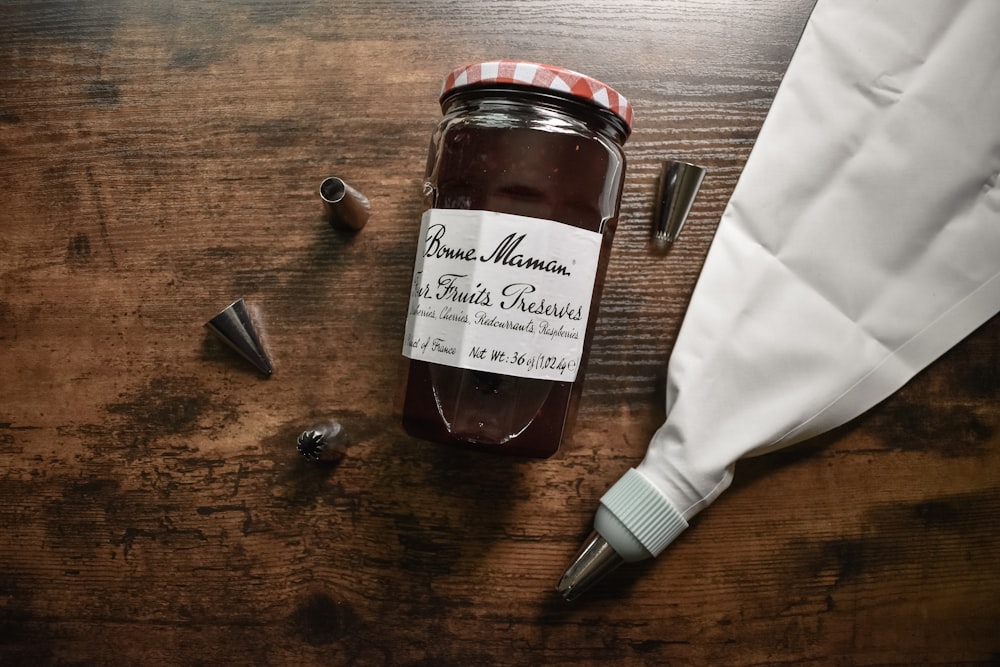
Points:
(501, 293)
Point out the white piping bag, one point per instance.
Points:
(862, 241)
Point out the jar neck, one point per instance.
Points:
(510, 97)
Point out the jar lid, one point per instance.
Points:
(548, 77)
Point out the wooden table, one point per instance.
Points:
(158, 160)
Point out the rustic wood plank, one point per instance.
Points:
(158, 160)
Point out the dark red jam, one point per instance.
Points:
(527, 153)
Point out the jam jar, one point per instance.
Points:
(523, 187)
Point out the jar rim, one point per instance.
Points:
(548, 78)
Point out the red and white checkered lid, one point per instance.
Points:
(547, 77)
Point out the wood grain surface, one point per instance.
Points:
(160, 159)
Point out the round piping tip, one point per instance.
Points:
(346, 208)
(596, 559)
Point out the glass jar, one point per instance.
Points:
(523, 185)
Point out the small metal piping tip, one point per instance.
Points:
(325, 442)
(595, 561)
(679, 186)
(234, 326)
(346, 208)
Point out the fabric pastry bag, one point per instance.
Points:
(861, 242)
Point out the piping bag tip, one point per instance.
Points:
(235, 327)
(345, 207)
(633, 522)
(596, 559)
(678, 188)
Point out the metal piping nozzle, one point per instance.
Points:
(346, 208)
(324, 442)
(679, 186)
(234, 326)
